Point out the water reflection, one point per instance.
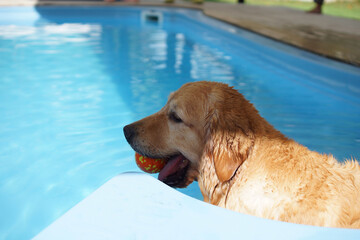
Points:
(61, 128)
(155, 62)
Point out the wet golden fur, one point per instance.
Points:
(242, 163)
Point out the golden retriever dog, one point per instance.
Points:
(210, 133)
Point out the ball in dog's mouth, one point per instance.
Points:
(174, 172)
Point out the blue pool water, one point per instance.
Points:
(71, 78)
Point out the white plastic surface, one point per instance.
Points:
(138, 206)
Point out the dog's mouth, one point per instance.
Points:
(174, 172)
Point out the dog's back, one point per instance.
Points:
(288, 182)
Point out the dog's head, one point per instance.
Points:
(200, 120)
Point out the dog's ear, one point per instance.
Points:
(228, 143)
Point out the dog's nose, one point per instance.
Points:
(129, 133)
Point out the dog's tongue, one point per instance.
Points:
(172, 166)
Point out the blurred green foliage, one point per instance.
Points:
(348, 9)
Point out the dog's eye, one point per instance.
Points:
(174, 117)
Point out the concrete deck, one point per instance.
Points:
(332, 37)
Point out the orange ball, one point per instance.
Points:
(149, 165)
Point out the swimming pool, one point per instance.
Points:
(71, 78)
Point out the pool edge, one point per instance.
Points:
(134, 205)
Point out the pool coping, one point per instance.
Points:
(137, 206)
(332, 37)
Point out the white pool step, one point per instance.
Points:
(138, 206)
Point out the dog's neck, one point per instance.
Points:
(209, 183)
(213, 190)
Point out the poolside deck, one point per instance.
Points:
(164, 213)
(332, 37)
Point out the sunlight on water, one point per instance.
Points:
(69, 84)
(61, 124)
